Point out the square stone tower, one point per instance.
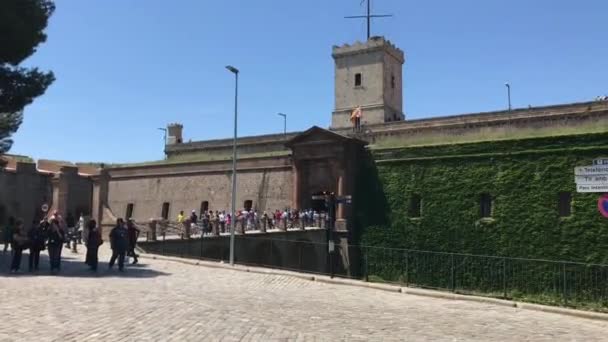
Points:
(368, 75)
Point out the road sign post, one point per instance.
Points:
(592, 178)
(331, 201)
(602, 205)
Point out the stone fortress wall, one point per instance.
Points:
(200, 171)
(266, 182)
(26, 186)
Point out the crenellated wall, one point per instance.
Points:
(25, 186)
(23, 191)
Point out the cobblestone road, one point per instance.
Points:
(168, 301)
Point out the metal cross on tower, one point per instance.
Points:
(369, 17)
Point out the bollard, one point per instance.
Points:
(453, 273)
(187, 229)
(564, 291)
(366, 264)
(504, 278)
(152, 229)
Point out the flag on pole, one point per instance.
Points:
(357, 113)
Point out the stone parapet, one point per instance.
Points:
(490, 125)
(374, 43)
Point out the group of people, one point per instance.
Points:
(53, 232)
(219, 221)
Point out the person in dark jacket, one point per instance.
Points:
(56, 238)
(119, 242)
(37, 237)
(133, 236)
(19, 243)
(93, 241)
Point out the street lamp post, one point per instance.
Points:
(284, 124)
(508, 94)
(235, 71)
(165, 139)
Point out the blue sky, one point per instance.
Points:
(126, 67)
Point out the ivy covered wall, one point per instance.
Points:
(524, 178)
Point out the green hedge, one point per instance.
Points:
(524, 177)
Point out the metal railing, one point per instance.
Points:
(164, 229)
(534, 280)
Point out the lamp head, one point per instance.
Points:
(232, 69)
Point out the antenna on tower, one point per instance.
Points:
(369, 16)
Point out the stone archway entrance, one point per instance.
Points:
(324, 161)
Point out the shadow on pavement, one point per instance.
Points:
(72, 265)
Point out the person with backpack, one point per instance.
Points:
(37, 236)
(119, 242)
(19, 243)
(93, 241)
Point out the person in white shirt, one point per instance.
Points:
(222, 222)
(82, 232)
(284, 219)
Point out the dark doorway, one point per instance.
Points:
(3, 218)
(165, 212)
(248, 205)
(318, 205)
(204, 207)
(129, 212)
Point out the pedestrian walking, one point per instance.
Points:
(80, 229)
(93, 241)
(119, 241)
(7, 233)
(133, 236)
(56, 238)
(37, 237)
(19, 243)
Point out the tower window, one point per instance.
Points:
(564, 204)
(485, 205)
(358, 79)
(165, 212)
(129, 212)
(415, 206)
(393, 81)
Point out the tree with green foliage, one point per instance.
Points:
(22, 24)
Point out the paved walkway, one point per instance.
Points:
(167, 301)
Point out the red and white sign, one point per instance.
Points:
(602, 205)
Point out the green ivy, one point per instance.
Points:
(523, 176)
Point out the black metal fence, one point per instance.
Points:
(542, 281)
